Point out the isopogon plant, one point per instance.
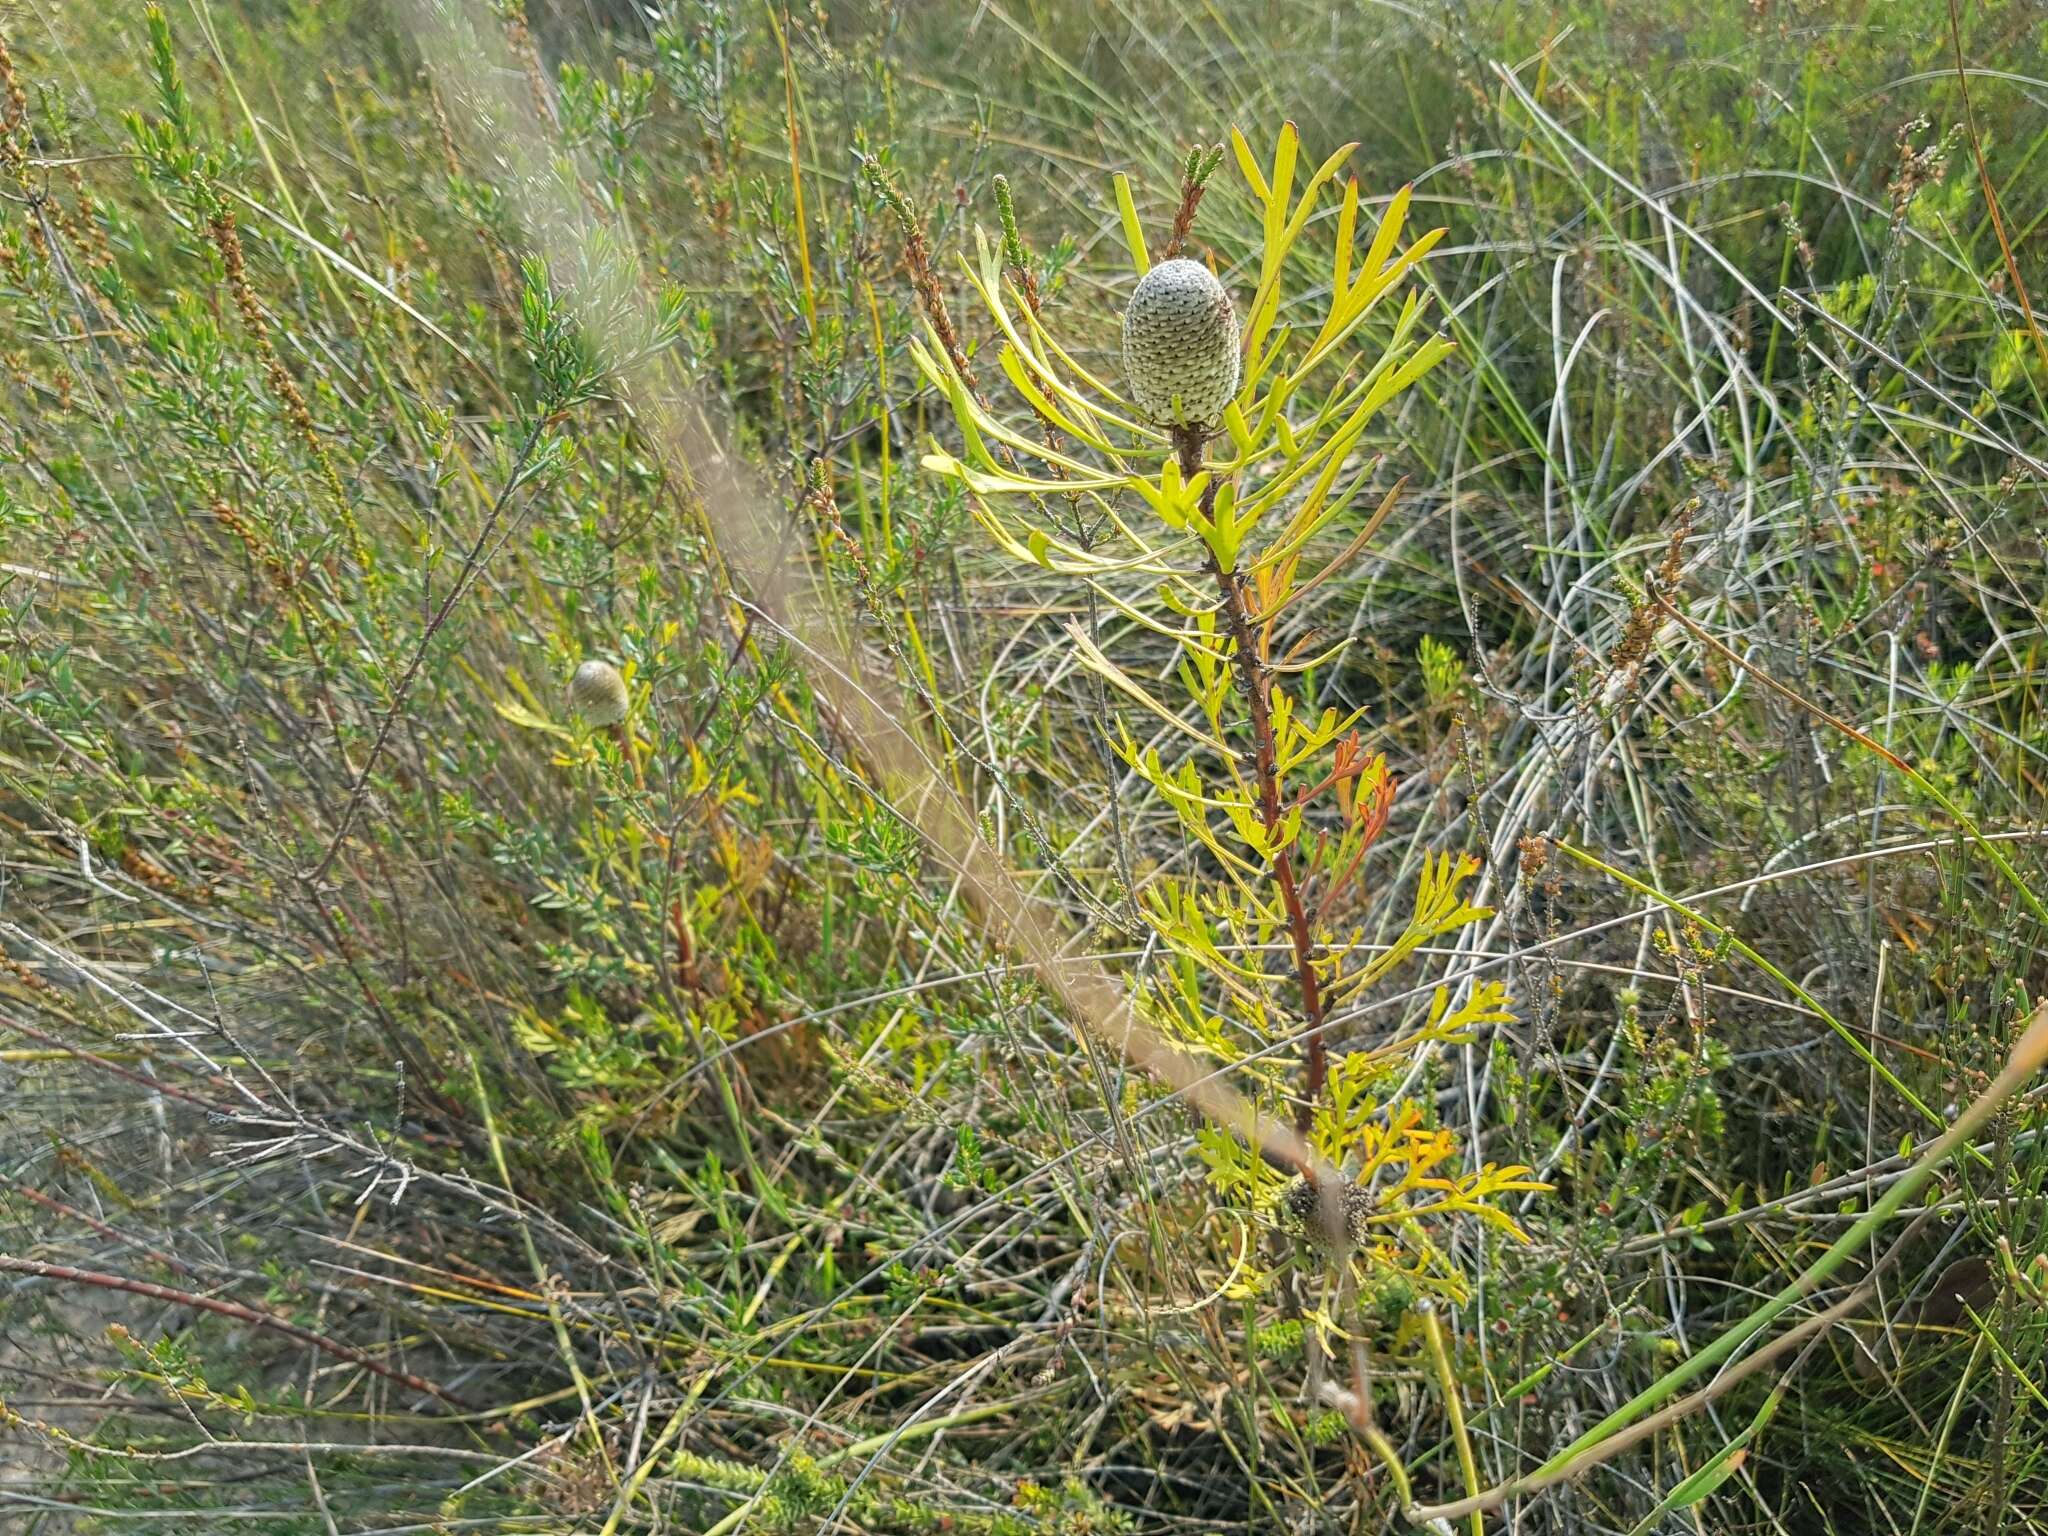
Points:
(1228, 465)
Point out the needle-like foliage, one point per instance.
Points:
(1280, 801)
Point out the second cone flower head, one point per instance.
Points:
(598, 693)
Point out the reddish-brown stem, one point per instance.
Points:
(1257, 684)
(111, 1234)
(232, 1309)
(1183, 218)
(153, 1085)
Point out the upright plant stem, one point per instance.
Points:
(472, 567)
(1454, 1408)
(1257, 684)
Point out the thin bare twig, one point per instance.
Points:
(100, 1280)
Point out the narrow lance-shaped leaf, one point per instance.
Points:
(1134, 235)
(1090, 657)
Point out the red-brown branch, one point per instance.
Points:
(110, 1233)
(1257, 683)
(1183, 218)
(151, 1084)
(229, 1309)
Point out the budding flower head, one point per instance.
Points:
(1303, 1203)
(1180, 345)
(598, 693)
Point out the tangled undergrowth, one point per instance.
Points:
(1534, 722)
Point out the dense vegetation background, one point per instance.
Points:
(420, 1113)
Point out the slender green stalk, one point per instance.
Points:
(1454, 1408)
(2025, 1060)
(1376, 1440)
(1956, 1400)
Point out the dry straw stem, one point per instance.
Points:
(470, 63)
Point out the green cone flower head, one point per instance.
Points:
(1180, 345)
(598, 693)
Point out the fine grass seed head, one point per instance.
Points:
(1180, 345)
(598, 693)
